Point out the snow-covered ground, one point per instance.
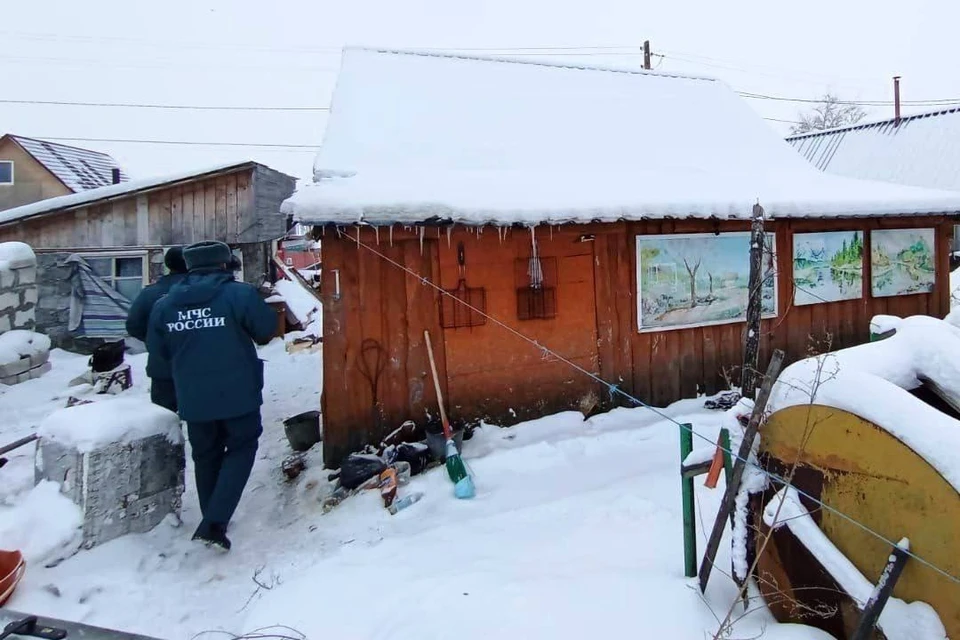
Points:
(575, 531)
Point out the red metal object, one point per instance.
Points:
(12, 568)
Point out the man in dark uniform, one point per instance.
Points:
(206, 328)
(162, 391)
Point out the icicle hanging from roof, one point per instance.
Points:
(376, 231)
(391, 235)
(449, 233)
(535, 269)
(422, 230)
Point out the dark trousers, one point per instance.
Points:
(223, 455)
(163, 393)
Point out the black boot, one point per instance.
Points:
(213, 535)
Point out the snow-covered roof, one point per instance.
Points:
(874, 380)
(412, 136)
(123, 189)
(923, 150)
(78, 169)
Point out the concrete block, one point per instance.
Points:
(23, 318)
(30, 295)
(27, 275)
(6, 322)
(39, 359)
(8, 278)
(9, 299)
(12, 369)
(121, 488)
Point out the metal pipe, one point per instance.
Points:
(689, 515)
(896, 101)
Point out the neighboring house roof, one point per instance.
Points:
(78, 169)
(112, 192)
(923, 150)
(413, 136)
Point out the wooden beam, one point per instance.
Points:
(733, 483)
(143, 220)
(882, 591)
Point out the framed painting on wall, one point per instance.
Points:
(902, 261)
(699, 279)
(827, 267)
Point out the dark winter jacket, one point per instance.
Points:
(205, 328)
(138, 320)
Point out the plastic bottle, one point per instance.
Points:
(403, 472)
(404, 502)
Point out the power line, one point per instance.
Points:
(160, 106)
(300, 148)
(870, 103)
(247, 46)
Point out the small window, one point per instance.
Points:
(536, 280)
(123, 273)
(6, 172)
(455, 312)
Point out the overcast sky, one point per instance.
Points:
(284, 53)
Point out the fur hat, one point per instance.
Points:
(174, 260)
(207, 254)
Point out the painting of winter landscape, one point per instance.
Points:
(690, 280)
(827, 267)
(902, 261)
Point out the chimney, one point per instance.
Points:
(116, 175)
(896, 101)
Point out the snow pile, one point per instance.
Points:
(412, 136)
(43, 526)
(14, 255)
(19, 343)
(115, 420)
(551, 540)
(873, 381)
(882, 324)
(899, 620)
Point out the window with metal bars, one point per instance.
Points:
(536, 279)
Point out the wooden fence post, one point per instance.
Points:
(749, 374)
(881, 592)
(733, 483)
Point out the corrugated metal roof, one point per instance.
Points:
(923, 151)
(78, 169)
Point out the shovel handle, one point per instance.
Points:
(436, 385)
(19, 443)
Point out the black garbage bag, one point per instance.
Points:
(358, 468)
(415, 453)
(107, 357)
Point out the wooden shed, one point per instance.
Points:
(561, 230)
(122, 230)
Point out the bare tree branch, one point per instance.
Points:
(830, 113)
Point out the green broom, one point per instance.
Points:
(462, 482)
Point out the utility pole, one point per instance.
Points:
(749, 376)
(646, 54)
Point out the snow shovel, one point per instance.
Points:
(463, 486)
